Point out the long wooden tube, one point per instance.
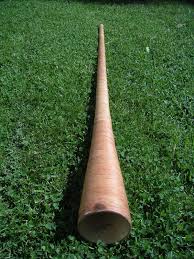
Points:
(104, 212)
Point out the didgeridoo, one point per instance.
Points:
(104, 212)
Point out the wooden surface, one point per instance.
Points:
(104, 212)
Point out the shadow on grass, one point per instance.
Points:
(66, 216)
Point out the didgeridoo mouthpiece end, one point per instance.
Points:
(107, 226)
(101, 26)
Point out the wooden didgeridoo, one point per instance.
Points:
(104, 212)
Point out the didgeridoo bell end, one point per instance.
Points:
(108, 226)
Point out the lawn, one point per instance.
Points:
(48, 53)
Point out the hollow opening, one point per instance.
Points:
(107, 226)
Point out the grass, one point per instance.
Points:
(48, 52)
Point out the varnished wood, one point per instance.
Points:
(104, 213)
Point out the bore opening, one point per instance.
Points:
(108, 226)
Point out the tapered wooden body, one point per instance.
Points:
(104, 213)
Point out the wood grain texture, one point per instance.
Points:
(104, 213)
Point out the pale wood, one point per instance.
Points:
(104, 212)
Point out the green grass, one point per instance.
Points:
(48, 52)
